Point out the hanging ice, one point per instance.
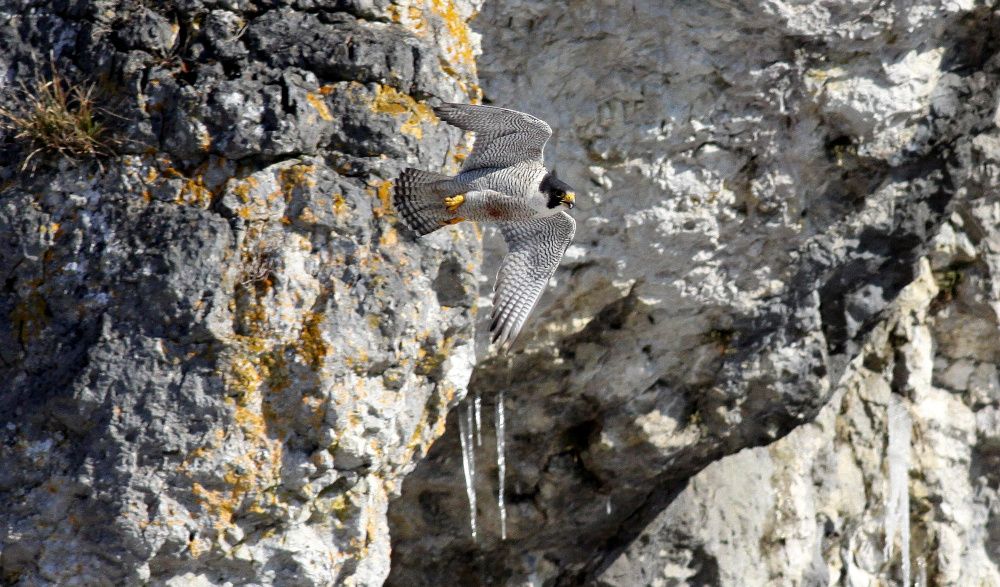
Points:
(501, 465)
(479, 419)
(897, 507)
(607, 505)
(468, 463)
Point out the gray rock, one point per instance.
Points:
(220, 350)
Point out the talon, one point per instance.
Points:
(454, 220)
(453, 203)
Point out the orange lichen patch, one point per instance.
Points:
(217, 504)
(339, 204)
(382, 190)
(389, 238)
(198, 547)
(243, 188)
(276, 370)
(411, 17)
(317, 102)
(193, 192)
(296, 176)
(458, 29)
(390, 101)
(430, 361)
(246, 481)
(327, 89)
(312, 348)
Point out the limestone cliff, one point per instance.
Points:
(787, 210)
(219, 351)
(770, 356)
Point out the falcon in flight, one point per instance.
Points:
(503, 181)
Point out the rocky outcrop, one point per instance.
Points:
(770, 355)
(786, 212)
(220, 352)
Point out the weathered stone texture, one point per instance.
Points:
(219, 351)
(221, 354)
(758, 183)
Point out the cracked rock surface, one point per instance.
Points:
(764, 190)
(220, 353)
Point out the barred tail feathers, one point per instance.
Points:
(418, 199)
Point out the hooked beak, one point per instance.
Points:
(569, 199)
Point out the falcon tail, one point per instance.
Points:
(419, 199)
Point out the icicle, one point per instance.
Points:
(501, 465)
(468, 466)
(897, 509)
(478, 402)
(921, 572)
(607, 506)
(470, 419)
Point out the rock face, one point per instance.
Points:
(770, 356)
(787, 212)
(219, 351)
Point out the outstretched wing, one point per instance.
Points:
(534, 249)
(503, 137)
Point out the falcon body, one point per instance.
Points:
(503, 181)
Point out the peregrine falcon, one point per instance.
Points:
(503, 181)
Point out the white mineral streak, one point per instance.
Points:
(897, 506)
(468, 462)
(501, 464)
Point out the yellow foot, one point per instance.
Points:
(453, 203)
(454, 220)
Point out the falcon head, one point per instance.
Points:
(558, 191)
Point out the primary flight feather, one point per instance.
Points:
(503, 181)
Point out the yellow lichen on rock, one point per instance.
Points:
(389, 238)
(383, 191)
(296, 176)
(339, 204)
(411, 17)
(312, 348)
(317, 102)
(461, 50)
(390, 101)
(243, 188)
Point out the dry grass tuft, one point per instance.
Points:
(56, 118)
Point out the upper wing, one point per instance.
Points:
(503, 137)
(534, 249)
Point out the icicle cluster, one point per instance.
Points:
(465, 432)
